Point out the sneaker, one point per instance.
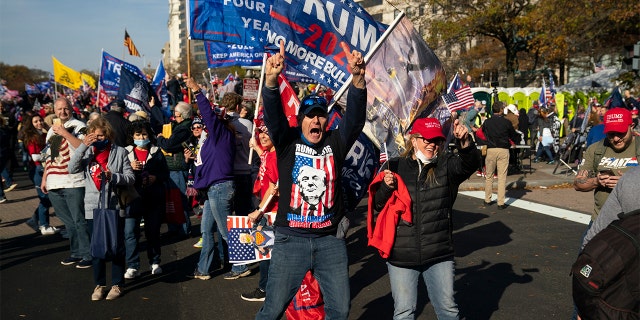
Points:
(551, 162)
(155, 269)
(197, 275)
(479, 173)
(131, 273)
(255, 295)
(71, 260)
(47, 231)
(84, 264)
(11, 187)
(198, 244)
(114, 293)
(32, 223)
(3, 200)
(536, 160)
(232, 275)
(502, 206)
(98, 293)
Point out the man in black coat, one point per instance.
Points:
(116, 119)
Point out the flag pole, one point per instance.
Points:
(255, 112)
(97, 106)
(189, 66)
(368, 56)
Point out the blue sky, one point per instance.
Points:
(75, 31)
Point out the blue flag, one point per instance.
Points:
(31, 89)
(159, 86)
(226, 55)
(134, 91)
(44, 86)
(312, 32)
(239, 22)
(615, 100)
(110, 72)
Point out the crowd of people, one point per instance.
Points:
(201, 159)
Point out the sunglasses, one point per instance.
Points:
(312, 100)
(432, 141)
(196, 127)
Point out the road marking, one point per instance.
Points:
(539, 208)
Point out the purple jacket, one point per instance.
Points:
(218, 150)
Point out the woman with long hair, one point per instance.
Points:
(34, 132)
(421, 184)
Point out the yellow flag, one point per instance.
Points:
(65, 75)
(89, 80)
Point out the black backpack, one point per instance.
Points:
(606, 275)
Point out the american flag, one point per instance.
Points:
(459, 99)
(243, 253)
(543, 95)
(322, 162)
(551, 91)
(383, 154)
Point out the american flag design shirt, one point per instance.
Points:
(313, 189)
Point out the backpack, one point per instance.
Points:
(606, 275)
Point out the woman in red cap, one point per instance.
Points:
(422, 185)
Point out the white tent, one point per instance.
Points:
(600, 79)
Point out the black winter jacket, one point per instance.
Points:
(429, 239)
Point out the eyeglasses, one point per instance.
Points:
(311, 100)
(432, 141)
(196, 127)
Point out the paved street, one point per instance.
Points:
(511, 263)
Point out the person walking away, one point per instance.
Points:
(498, 131)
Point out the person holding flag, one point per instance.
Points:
(419, 242)
(310, 219)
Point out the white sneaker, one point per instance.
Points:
(11, 187)
(155, 269)
(131, 273)
(47, 231)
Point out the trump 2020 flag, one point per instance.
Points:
(240, 22)
(405, 80)
(110, 72)
(227, 54)
(312, 32)
(249, 243)
(134, 91)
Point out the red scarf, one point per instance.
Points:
(99, 165)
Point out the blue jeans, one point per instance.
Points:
(216, 209)
(152, 210)
(291, 258)
(546, 150)
(41, 213)
(439, 279)
(69, 207)
(264, 274)
(178, 179)
(3, 162)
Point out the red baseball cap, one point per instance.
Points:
(428, 128)
(617, 120)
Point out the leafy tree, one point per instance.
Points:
(459, 21)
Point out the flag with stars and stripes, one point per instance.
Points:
(459, 99)
(314, 184)
(246, 243)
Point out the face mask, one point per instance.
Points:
(423, 159)
(100, 145)
(141, 143)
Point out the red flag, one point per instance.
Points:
(289, 99)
